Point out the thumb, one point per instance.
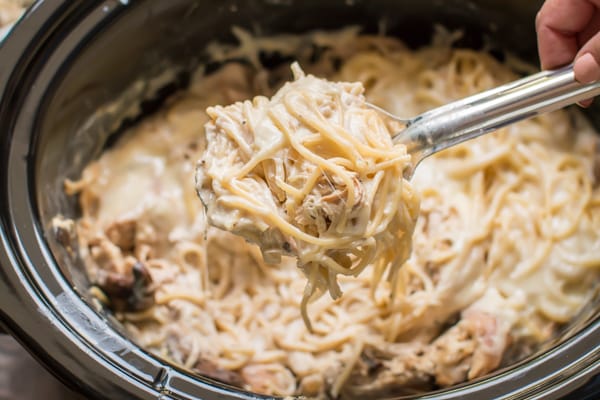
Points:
(586, 66)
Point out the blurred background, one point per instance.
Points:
(22, 378)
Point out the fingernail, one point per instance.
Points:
(585, 103)
(586, 69)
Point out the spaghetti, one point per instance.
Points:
(505, 250)
(312, 172)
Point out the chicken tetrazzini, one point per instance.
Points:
(312, 172)
(505, 250)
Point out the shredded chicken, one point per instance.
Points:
(505, 250)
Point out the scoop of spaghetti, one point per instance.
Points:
(311, 173)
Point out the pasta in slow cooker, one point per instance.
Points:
(312, 172)
(505, 250)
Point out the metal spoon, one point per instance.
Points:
(488, 111)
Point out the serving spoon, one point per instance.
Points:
(482, 113)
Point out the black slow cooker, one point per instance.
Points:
(67, 59)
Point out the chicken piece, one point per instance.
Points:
(122, 234)
(209, 369)
(475, 345)
(65, 232)
(269, 378)
(472, 347)
(131, 290)
(400, 368)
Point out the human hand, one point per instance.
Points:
(567, 31)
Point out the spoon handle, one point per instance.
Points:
(488, 111)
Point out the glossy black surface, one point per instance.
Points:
(52, 79)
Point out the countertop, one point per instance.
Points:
(22, 378)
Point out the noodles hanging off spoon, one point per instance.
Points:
(312, 173)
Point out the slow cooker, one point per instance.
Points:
(61, 67)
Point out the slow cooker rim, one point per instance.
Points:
(24, 312)
(19, 276)
(33, 312)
